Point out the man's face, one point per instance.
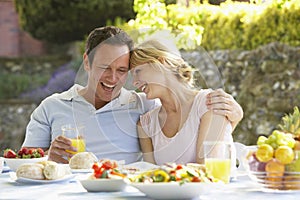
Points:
(108, 72)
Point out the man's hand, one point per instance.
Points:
(57, 151)
(224, 104)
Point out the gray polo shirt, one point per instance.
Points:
(110, 132)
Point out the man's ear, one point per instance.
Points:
(86, 62)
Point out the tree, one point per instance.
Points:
(58, 21)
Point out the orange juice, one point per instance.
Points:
(79, 144)
(218, 168)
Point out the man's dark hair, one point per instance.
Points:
(106, 35)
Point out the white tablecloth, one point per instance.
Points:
(242, 188)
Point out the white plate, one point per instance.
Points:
(34, 181)
(14, 163)
(103, 185)
(138, 167)
(173, 190)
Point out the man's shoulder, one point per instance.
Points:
(141, 99)
(132, 96)
(65, 95)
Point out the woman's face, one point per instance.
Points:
(149, 80)
(108, 72)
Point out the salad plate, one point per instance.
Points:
(14, 177)
(138, 167)
(103, 185)
(173, 190)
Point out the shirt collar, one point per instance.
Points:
(124, 98)
(72, 93)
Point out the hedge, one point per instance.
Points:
(232, 25)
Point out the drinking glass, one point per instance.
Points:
(217, 158)
(75, 134)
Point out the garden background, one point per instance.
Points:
(254, 44)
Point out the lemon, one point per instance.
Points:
(264, 153)
(284, 154)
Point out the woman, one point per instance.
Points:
(175, 131)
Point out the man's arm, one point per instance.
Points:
(38, 135)
(224, 104)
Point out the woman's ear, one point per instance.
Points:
(86, 62)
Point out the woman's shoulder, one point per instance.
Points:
(202, 93)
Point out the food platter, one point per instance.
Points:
(14, 163)
(35, 181)
(103, 185)
(173, 190)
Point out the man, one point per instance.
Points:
(107, 111)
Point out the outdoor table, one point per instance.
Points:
(241, 188)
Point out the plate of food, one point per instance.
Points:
(106, 177)
(13, 159)
(172, 190)
(40, 181)
(174, 182)
(138, 167)
(42, 172)
(82, 162)
(103, 184)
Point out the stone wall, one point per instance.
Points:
(265, 81)
(14, 116)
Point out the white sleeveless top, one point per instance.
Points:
(181, 148)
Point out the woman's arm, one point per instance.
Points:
(146, 144)
(213, 127)
(224, 104)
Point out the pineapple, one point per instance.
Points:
(291, 123)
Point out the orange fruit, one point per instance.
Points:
(284, 154)
(275, 171)
(264, 153)
(275, 168)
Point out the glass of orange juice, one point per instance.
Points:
(217, 158)
(75, 134)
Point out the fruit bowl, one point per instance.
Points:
(14, 159)
(14, 163)
(287, 181)
(273, 174)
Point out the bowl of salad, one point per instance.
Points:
(174, 181)
(107, 177)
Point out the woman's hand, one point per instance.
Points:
(224, 104)
(57, 151)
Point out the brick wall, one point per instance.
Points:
(13, 41)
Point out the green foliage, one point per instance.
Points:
(14, 84)
(23, 74)
(232, 25)
(59, 21)
(153, 15)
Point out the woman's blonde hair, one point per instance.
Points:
(162, 58)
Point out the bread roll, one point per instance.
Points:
(31, 170)
(53, 171)
(82, 160)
